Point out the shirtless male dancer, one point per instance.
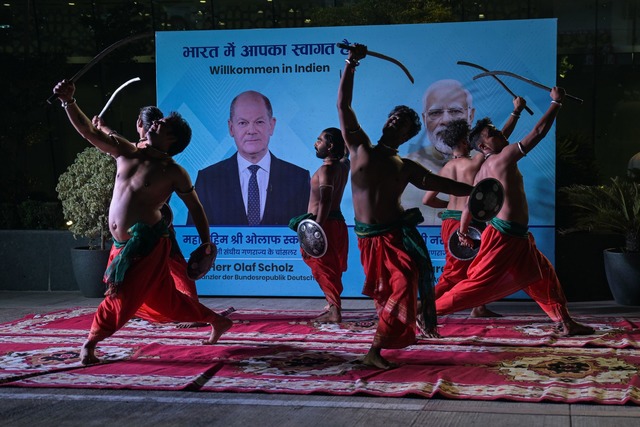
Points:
(177, 262)
(392, 252)
(508, 259)
(327, 188)
(462, 167)
(138, 271)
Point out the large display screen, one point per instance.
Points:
(199, 73)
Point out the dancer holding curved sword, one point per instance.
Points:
(393, 253)
(463, 167)
(508, 259)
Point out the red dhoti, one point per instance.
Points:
(391, 280)
(328, 269)
(506, 264)
(147, 281)
(455, 270)
(178, 269)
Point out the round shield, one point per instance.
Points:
(312, 238)
(465, 253)
(200, 263)
(485, 200)
(167, 214)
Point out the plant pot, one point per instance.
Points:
(88, 267)
(623, 274)
(580, 264)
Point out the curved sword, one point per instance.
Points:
(524, 79)
(480, 67)
(381, 56)
(113, 95)
(101, 55)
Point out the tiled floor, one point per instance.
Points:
(65, 407)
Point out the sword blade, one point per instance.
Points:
(381, 56)
(480, 67)
(101, 55)
(113, 95)
(524, 79)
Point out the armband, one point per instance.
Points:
(516, 115)
(355, 130)
(521, 148)
(424, 178)
(352, 62)
(558, 103)
(188, 191)
(65, 104)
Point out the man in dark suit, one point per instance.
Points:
(252, 187)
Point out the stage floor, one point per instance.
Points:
(24, 406)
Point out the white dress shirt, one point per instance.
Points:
(263, 179)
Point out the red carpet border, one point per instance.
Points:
(516, 358)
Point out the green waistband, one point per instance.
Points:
(510, 228)
(451, 214)
(411, 217)
(143, 239)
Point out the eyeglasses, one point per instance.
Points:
(456, 113)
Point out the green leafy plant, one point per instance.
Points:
(85, 191)
(612, 208)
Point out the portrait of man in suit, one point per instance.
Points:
(253, 186)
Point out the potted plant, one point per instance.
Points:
(613, 208)
(85, 190)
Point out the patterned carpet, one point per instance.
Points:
(517, 358)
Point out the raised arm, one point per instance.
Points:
(518, 105)
(543, 126)
(351, 131)
(99, 124)
(515, 152)
(110, 144)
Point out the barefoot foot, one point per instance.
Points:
(187, 325)
(483, 311)
(221, 326)
(332, 315)
(375, 359)
(87, 353)
(571, 328)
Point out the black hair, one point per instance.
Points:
(180, 130)
(474, 135)
(334, 136)
(148, 115)
(455, 131)
(414, 118)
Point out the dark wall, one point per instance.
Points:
(34, 260)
